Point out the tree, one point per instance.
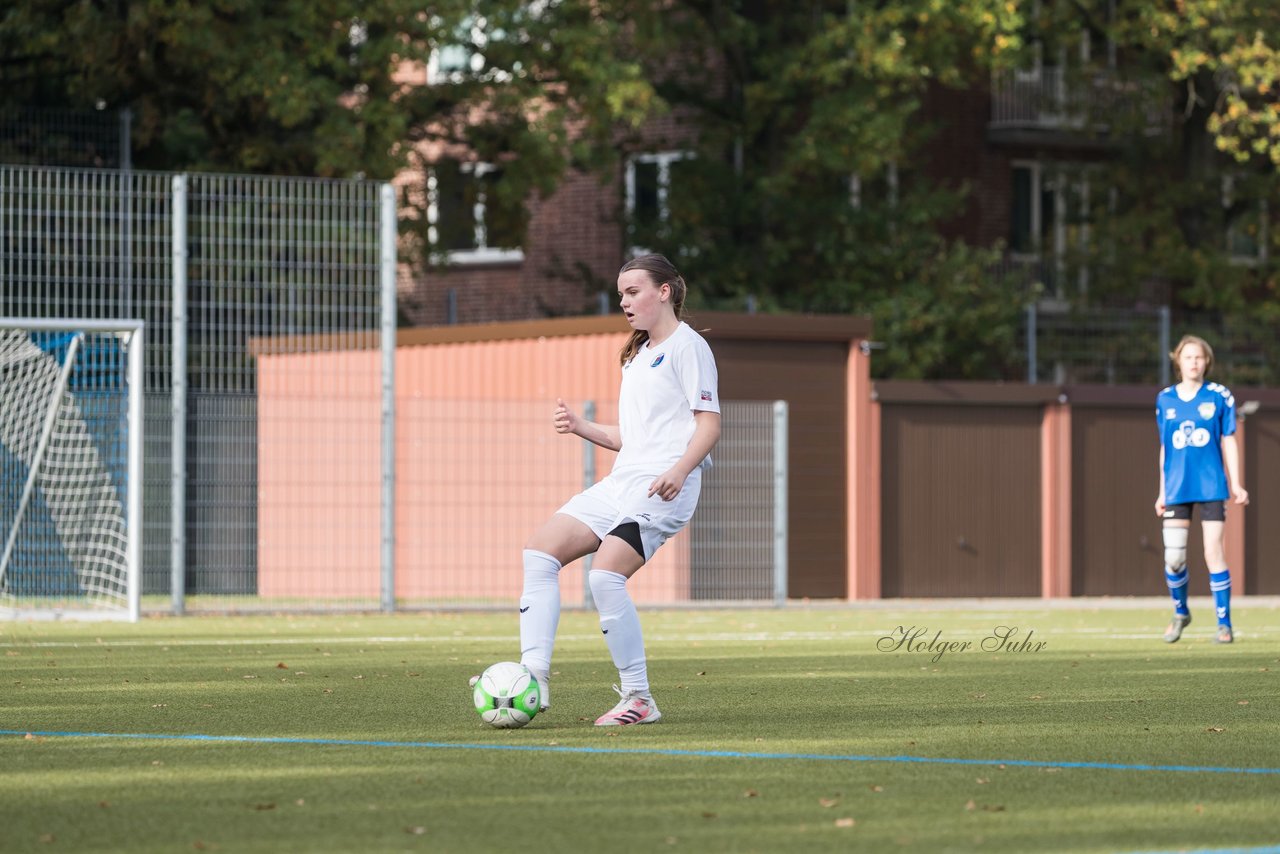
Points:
(322, 87)
(1181, 208)
(807, 190)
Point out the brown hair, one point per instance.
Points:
(661, 272)
(1204, 347)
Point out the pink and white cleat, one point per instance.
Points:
(635, 707)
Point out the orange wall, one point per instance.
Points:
(478, 468)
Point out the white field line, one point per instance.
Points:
(697, 637)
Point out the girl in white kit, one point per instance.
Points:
(668, 422)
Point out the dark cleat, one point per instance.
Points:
(1176, 625)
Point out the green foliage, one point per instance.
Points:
(234, 85)
(808, 190)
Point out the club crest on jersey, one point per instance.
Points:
(1206, 410)
(658, 361)
(705, 395)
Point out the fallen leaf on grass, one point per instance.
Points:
(417, 830)
(159, 705)
(106, 805)
(1242, 702)
(708, 815)
(702, 673)
(972, 805)
(828, 803)
(981, 780)
(48, 838)
(750, 793)
(282, 666)
(845, 822)
(1215, 729)
(264, 807)
(876, 788)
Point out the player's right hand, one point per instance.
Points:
(564, 420)
(1160, 505)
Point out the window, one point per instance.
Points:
(1049, 221)
(467, 217)
(1031, 218)
(884, 186)
(462, 57)
(1247, 225)
(651, 181)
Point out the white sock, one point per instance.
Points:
(621, 626)
(539, 611)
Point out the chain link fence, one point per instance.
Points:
(322, 491)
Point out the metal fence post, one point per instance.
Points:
(137, 419)
(1031, 343)
(780, 479)
(1165, 345)
(387, 288)
(178, 411)
(588, 481)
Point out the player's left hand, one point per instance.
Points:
(667, 485)
(1241, 495)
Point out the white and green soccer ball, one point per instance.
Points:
(506, 695)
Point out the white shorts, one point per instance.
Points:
(622, 497)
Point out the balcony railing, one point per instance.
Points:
(1061, 99)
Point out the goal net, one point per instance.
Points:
(70, 468)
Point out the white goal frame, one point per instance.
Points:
(133, 338)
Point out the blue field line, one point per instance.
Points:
(1264, 849)
(647, 751)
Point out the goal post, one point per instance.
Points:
(71, 430)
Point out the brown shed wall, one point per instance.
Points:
(810, 376)
(1116, 543)
(1262, 479)
(960, 491)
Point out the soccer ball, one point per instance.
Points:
(506, 695)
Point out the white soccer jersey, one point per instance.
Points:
(661, 387)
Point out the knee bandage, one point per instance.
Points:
(1175, 547)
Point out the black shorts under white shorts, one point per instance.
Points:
(1210, 511)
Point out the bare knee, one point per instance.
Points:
(564, 538)
(1215, 556)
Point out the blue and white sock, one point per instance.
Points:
(1177, 581)
(621, 626)
(539, 610)
(1220, 585)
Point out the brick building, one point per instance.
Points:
(1022, 147)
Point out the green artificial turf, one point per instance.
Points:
(797, 729)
